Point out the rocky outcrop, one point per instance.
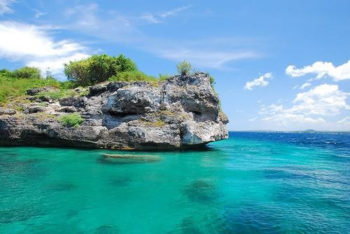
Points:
(181, 112)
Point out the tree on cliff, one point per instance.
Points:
(97, 68)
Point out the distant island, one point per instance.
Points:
(108, 103)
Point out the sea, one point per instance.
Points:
(253, 182)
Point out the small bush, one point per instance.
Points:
(5, 72)
(212, 80)
(97, 68)
(131, 76)
(184, 68)
(27, 73)
(71, 120)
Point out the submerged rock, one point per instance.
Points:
(202, 191)
(181, 112)
(125, 159)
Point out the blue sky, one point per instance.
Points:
(279, 65)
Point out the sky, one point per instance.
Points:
(278, 65)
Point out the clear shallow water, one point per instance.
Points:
(253, 182)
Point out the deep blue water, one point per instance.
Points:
(254, 182)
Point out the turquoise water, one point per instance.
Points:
(253, 182)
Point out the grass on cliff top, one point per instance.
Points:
(131, 76)
(11, 87)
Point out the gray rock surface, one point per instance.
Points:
(181, 112)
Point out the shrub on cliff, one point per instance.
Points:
(71, 120)
(27, 73)
(98, 68)
(184, 68)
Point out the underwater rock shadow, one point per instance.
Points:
(120, 181)
(20, 214)
(30, 168)
(107, 229)
(202, 191)
(62, 186)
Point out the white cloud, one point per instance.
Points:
(99, 23)
(5, 6)
(150, 18)
(203, 53)
(55, 65)
(309, 109)
(207, 58)
(322, 69)
(35, 47)
(155, 18)
(305, 85)
(322, 100)
(38, 14)
(345, 120)
(261, 81)
(174, 12)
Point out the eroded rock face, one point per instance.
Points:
(180, 112)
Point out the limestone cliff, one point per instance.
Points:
(181, 112)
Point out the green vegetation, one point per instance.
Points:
(184, 68)
(98, 68)
(22, 73)
(163, 77)
(71, 120)
(57, 94)
(130, 76)
(212, 80)
(11, 87)
(156, 124)
(82, 73)
(27, 73)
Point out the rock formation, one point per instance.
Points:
(180, 112)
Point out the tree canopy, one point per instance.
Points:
(98, 68)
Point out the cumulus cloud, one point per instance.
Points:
(5, 6)
(35, 47)
(310, 107)
(322, 69)
(322, 100)
(55, 65)
(261, 81)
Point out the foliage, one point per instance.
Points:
(184, 68)
(5, 72)
(71, 120)
(11, 87)
(27, 73)
(98, 68)
(131, 76)
(212, 80)
(163, 77)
